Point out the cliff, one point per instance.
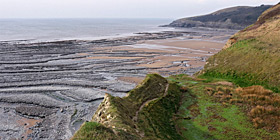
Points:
(251, 56)
(145, 113)
(227, 100)
(191, 109)
(231, 18)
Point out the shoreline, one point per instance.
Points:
(120, 36)
(62, 81)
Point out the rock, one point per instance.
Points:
(32, 111)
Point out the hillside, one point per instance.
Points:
(251, 56)
(184, 108)
(236, 96)
(145, 113)
(231, 18)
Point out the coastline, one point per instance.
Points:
(66, 80)
(160, 30)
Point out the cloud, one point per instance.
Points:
(115, 8)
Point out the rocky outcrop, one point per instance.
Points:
(230, 18)
(230, 42)
(139, 115)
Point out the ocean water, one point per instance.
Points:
(39, 30)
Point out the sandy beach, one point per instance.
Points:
(166, 57)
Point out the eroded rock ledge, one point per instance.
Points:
(145, 113)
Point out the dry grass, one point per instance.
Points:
(221, 92)
(257, 95)
(265, 106)
(261, 105)
(251, 57)
(224, 83)
(266, 29)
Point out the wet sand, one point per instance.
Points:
(169, 56)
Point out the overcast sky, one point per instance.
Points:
(116, 8)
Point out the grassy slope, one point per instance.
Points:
(156, 119)
(207, 110)
(213, 111)
(192, 109)
(94, 130)
(252, 56)
(115, 118)
(204, 116)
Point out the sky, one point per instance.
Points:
(117, 8)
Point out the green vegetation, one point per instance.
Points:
(95, 130)
(224, 102)
(252, 56)
(152, 87)
(192, 109)
(246, 63)
(156, 118)
(240, 79)
(140, 114)
(202, 115)
(223, 111)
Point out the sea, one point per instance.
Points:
(44, 30)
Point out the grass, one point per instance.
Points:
(246, 63)
(192, 109)
(212, 119)
(238, 78)
(263, 106)
(202, 109)
(152, 87)
(254, 57)
(94, 131)
(156, 118)
(252, 60)
(118, 114)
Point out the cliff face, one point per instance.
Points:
(251, 56)
(230, 18)
(145, 113)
